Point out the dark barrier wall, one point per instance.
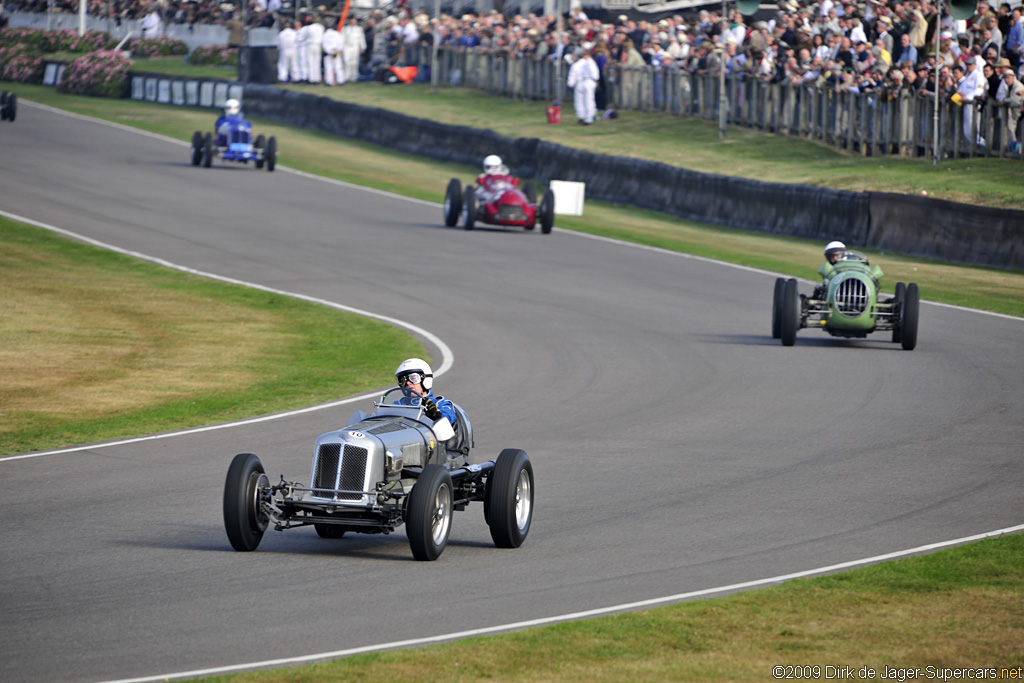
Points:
(946, 230)
(900, 223)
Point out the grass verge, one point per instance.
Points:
(100, 346)
(955, 609)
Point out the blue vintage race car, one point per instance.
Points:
(232, 141)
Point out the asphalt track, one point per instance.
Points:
(677, 447)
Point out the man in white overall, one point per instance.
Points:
(583, 77)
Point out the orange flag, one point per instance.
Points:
(344, 15)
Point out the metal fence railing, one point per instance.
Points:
(876, 123)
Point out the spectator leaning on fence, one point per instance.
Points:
(1013, 100)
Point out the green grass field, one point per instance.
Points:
(956, 608)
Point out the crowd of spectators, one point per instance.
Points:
(883, 46)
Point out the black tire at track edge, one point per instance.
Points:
(271, 153)
(898, 295)
(500, 498)
(420, 513)
(911, 309)
(208, 150)
(241, 521)
(790, 322)
(197, 148)
(469, 208)
(547, 212)
(453, 202)
(780, 288)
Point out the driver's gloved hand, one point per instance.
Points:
(430, 409)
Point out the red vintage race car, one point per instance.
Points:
(497, 199)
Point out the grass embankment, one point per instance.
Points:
(985, 288)
(98, 346)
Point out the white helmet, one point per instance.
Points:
(232, 107)
(417, 365)
(492, 163)
(834, 246)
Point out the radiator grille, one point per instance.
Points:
(326, 473)
(239, 135)
(353, 471)
(511, 212)
(851, 298)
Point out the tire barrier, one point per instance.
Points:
(935, 228)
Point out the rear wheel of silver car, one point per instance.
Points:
(197, 148)
(469, 208)
(452, 202)
(429, 513)
(790, 321)
(908, 319)
(329, 530)
(508, 502)
(244, 519)
(899, 293)
(780, 288)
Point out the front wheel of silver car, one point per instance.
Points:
(508, 502)
(244, 519)
(429, 513)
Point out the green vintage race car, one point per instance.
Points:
(849, 303)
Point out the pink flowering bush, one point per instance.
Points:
(156, 47)
(215, 55)
(20, 64)
(103, 73)
(68, 40)
(17, 36)
(65, 40)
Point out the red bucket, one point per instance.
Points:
(554, 114)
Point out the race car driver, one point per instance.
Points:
(833, 250)
(495, 178)
(415, 374)
(232, 116)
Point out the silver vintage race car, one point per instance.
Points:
(384, 469)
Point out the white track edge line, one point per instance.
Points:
(448, 358)
(602, 611)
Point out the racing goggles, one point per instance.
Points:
(410, 378)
